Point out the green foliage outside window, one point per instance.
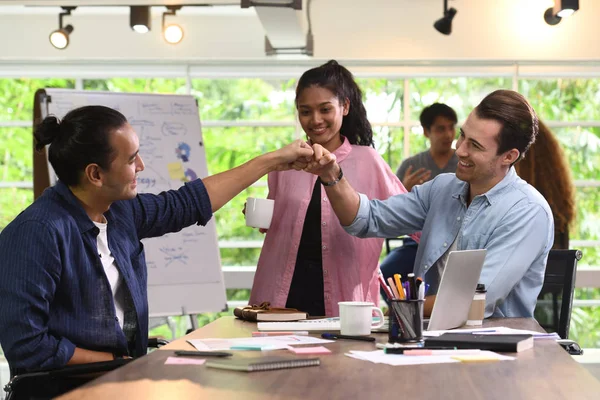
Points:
(239, 100)
(16, 143)
(154, 85)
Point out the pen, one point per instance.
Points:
(395, 290)
(402, 350)
(335, 336)
(266, 334)
(420, 286)
(397, 278)
(384, 286)
(413, 286)
(202, 353)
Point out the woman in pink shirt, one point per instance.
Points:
(308, 261)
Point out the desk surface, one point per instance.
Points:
(545, 372)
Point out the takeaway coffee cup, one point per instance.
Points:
(356, 318)
(259, 212)
(477, 311)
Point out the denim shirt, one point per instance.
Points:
(512, 221)
(54, 294)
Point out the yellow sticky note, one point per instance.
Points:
(475, 358)
(176, 171)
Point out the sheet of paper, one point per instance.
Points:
(272, 342)
(379, 357)
(500, 330)
(536, 335)
(184, 361)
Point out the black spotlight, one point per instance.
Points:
(561, 9)
(444, 24)
(60, 37)
(139, 18)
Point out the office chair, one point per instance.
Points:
(49, 383)
(388, 247)
(553, 310)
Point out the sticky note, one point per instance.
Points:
(310, 350)
(176, 171)
(184, 361)
(252, 347)
(475, 358)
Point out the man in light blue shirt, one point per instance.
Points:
(485, 205)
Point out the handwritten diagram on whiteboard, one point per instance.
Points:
(184, 268)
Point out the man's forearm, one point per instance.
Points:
(226, 185)
(428, 307)
(84, 356)
(344, 199)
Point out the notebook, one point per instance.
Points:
(324, 324)
(264, 312)
(262, 363)
(321, 324)
(503, 343)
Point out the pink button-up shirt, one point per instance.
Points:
(350, 264)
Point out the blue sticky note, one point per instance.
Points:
(250, 347)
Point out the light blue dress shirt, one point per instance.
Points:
(512, 221)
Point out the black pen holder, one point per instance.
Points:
(406, 321)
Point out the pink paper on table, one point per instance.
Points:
(184, 361)
(310, 350)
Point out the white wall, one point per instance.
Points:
(344, 29)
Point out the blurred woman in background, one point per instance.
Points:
(546, 168)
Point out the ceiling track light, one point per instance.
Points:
(295, 4)
(60, 37)
(139, 18)
(444, 24)
(561, 9)
(172, 33)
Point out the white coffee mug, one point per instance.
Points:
(259, 212)
(356, 317)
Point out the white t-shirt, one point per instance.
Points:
(112, 272)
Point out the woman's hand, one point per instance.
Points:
(293, 156)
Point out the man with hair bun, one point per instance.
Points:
(73, 279)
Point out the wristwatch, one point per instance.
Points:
(332, 183)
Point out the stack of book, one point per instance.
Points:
(264, 312)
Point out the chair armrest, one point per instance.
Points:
(570, 346)
(157, 342)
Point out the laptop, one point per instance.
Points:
(451, 309)
(457, 288)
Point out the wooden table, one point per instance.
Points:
(545, 372)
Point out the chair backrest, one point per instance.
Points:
(389, 241)
(559, 286)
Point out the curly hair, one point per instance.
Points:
(545, 168)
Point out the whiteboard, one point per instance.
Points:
(184, 268)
